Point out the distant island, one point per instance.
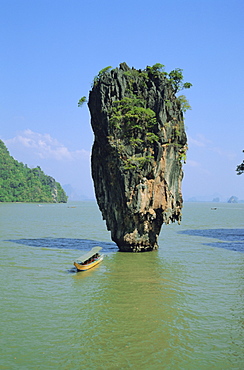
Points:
(234, 199)
(18, 183)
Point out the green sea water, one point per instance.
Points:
(180, 307)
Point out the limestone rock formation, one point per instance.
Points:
(139, 145)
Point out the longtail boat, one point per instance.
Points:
(89, 259)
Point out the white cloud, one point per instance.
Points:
(67, 166)
(192, 163)
(199, 141)
(44, 146)
(200, 144)
(225, 153)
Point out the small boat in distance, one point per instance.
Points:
(89, 259)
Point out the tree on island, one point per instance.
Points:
(18, 183)
(240, 167)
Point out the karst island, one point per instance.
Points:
(139, 146)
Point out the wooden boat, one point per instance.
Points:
(89, 259)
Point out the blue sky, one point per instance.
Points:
(51, 51)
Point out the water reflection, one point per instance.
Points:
(134, 304)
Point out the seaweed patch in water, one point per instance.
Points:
(233, 238)
(236, 247)
(66, 243)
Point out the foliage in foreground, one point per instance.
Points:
(18, 183)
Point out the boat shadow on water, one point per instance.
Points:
(231, 239)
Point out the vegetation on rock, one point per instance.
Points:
(82, 101)
(100, 74)
(18, 183)
(133, 122)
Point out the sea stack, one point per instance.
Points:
(139, 145)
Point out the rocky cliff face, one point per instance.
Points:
(137, 154)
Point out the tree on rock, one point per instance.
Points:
(240, 167)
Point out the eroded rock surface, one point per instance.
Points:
(137, 154)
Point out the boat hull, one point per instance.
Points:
(88, 266)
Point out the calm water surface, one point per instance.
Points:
(178, 308)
